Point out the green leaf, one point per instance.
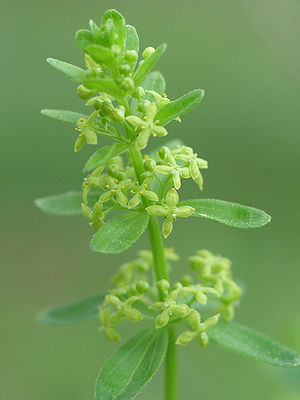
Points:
(120, 232)
(179, 106)
(154, 81)
(65, 204)
(119, 23)
(132, 39)
(252, 344)
(149, 64)
(84, 38)
(71, 71)
(63, 115)
(101, 54)
(104, 85)
(72, 313)
(126, 373)
(227, 213)
(103, 155)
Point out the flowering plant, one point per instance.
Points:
(128, 190)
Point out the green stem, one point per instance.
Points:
(161, 272)
(171, 389)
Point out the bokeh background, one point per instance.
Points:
(246, 55)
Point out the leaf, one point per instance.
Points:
(63, 115)
(227, 213)
(119, 233)
(179, 106)
(126, 373)
(252, 344)
(72, 313)
(149, 64)
(65, 204)
(103, 155)
(84, 38)
(119, 23)
(104, 85)
(132, 39)
(71, 71)
(101, 54)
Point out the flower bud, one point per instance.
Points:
(162, 319)
(143, 105)
(113, 170)
(139, 92)
(149, 165)
(163, 151)
(181, 310)
(186, 337)
(115, 49)
(148, 51)
(112, 334)
(125, 69)
(112, 300)
(133, 315)
(127, 84)
(131, 56)
(163, 285)
(142, 287)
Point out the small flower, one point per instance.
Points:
(193, 163)
(123, 309)
(170, 211)
(198, 329)
(116, 189)
(168, 308)
(172, 168)
(140, 191)
(147, 125)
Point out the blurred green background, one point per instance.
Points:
(246, 55)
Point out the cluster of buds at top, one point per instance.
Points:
(216, 270)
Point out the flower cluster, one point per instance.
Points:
(136, 295)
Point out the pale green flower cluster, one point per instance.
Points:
(189, 300)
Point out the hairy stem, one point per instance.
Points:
(161, 272)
